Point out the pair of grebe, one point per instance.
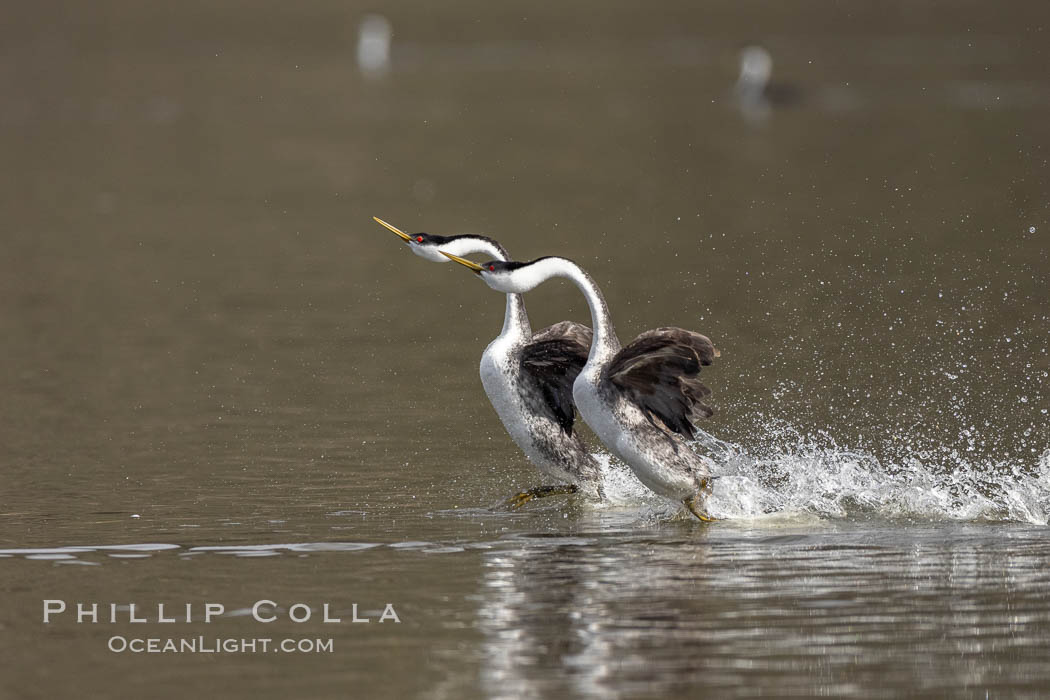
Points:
(641, 400)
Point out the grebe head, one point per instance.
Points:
(507, 276)
(432, 247)
(424, 245)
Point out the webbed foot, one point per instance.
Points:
(692, 503)
(519, 499)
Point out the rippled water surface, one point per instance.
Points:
(223, 383)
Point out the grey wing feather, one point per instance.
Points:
(659, 371)
(553, 359)
(568, 330)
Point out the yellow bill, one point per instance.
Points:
(469, 264)
(395, 229)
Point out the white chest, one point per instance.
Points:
(500, 368)
(597, 413)
(623, 429)
(497, 376)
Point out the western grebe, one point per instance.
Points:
(640, 400)
(528, 378)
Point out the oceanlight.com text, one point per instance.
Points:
(218, 645)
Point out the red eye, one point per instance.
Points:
(492, 268)
(419, 239)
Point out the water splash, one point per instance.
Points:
(621, 486)
(786, 471)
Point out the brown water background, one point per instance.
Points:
(207, 343)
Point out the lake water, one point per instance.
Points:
(223, 383)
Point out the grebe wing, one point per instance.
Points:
(553, 358)
(570, 331)
(659, 371)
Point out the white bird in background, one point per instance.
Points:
(640, 400)
(756, 68)
(528, 378)
(755, 94)
(373, 46)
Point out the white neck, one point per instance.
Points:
(471, 245)
(604, 344)
(515, 320)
